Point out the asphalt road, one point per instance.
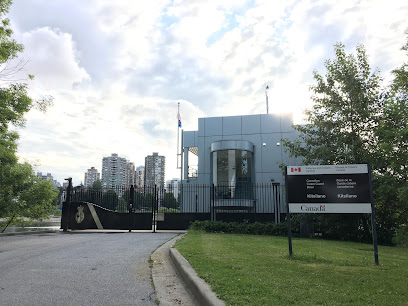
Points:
(78, 268)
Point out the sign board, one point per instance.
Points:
(329, 189)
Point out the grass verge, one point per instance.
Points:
(256, 270)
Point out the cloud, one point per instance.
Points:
(117, 69)
(53, 59)
(178, 78)
(96, 51)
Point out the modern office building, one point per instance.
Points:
(237, 153)
(114, 171)
(239, 149)
(91, 176)
(154, 170)
(139, 176)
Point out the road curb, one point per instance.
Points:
(29, 233)
(197, 287)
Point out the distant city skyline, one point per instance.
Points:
(49, 177)
(131, 173)
(118, 69)
(122, 173)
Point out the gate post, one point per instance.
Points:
(154, 208)
(68, 203)
(130, 206)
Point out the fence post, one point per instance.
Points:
(276, 201)
(279, 197)
(154, 208)
(212, 209)
(130, 206)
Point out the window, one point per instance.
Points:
(232, 173)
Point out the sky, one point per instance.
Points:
(118, 69)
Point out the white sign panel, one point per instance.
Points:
(310, 208)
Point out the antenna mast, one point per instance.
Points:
(267, 101)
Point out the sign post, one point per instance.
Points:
(288, 215)
(330, 189)
(373, 222)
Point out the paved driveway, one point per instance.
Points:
(78, 268)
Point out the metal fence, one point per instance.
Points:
(241, 201)
(251, 202)
(118, 199)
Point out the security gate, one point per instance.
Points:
(85, 215)
(118, 209)
(172, 208)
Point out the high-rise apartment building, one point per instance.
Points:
(154, 170)
(91, 176)
(114, 171)
(130, 174)
(48, 177)
(139, 176)
(173, 186)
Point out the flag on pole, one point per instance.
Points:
(179, 120)
(179, 155)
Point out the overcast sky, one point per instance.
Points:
(117, 69)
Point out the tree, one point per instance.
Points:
(110, 200)
(343, 128)
(97, 185)
(21, 193)
(347, 106)
(138, 200)
(169, 201)
(392, 137)
(400, 82)
(393, 129)
(122, 206)
(148, 202)
(57, 199)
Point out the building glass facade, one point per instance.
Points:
(232, 172)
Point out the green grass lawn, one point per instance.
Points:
(257, 270)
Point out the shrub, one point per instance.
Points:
(401, 237)
(257, 228)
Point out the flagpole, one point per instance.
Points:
(178, 134)
(180, 154)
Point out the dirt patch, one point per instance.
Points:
(168, 285)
